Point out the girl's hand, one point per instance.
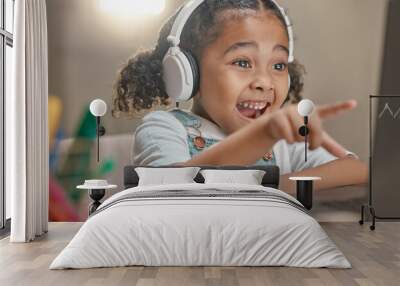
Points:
(330, 144)
(285, 124)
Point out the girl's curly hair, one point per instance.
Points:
(296, 73)
(139, 86)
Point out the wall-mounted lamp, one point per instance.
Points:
(98, 108)
(305, 108)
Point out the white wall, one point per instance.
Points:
(339, 41)
(86, 48)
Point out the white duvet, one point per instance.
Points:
(201, 231)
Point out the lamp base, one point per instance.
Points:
(304, 190)
(304, 193)
(96, 195)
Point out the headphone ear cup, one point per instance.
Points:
(177, 75)
(195, 72)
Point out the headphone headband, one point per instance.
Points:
(180, 21)
(187, 10)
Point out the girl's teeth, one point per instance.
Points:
(257, 106)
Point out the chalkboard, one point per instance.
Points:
(385, 156)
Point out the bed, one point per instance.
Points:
(201, 224)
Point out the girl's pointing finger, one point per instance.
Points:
(331, 110)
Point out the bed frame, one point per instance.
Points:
(270, 179)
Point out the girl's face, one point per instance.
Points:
(244, 72)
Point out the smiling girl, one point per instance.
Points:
(238, 115)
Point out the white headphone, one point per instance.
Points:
(180, 70)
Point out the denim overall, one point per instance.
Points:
(191, 122)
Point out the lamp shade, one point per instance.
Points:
(305, 107)
(98, 107)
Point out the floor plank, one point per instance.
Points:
(375, 257)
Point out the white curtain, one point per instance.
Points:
(27, 166)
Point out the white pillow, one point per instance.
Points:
(165, 176)
(248, 177)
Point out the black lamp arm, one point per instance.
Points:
(100, 131)
(304, 131)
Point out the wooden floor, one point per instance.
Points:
(375, 257)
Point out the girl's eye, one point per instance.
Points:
(242, 63)
(280, 66)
